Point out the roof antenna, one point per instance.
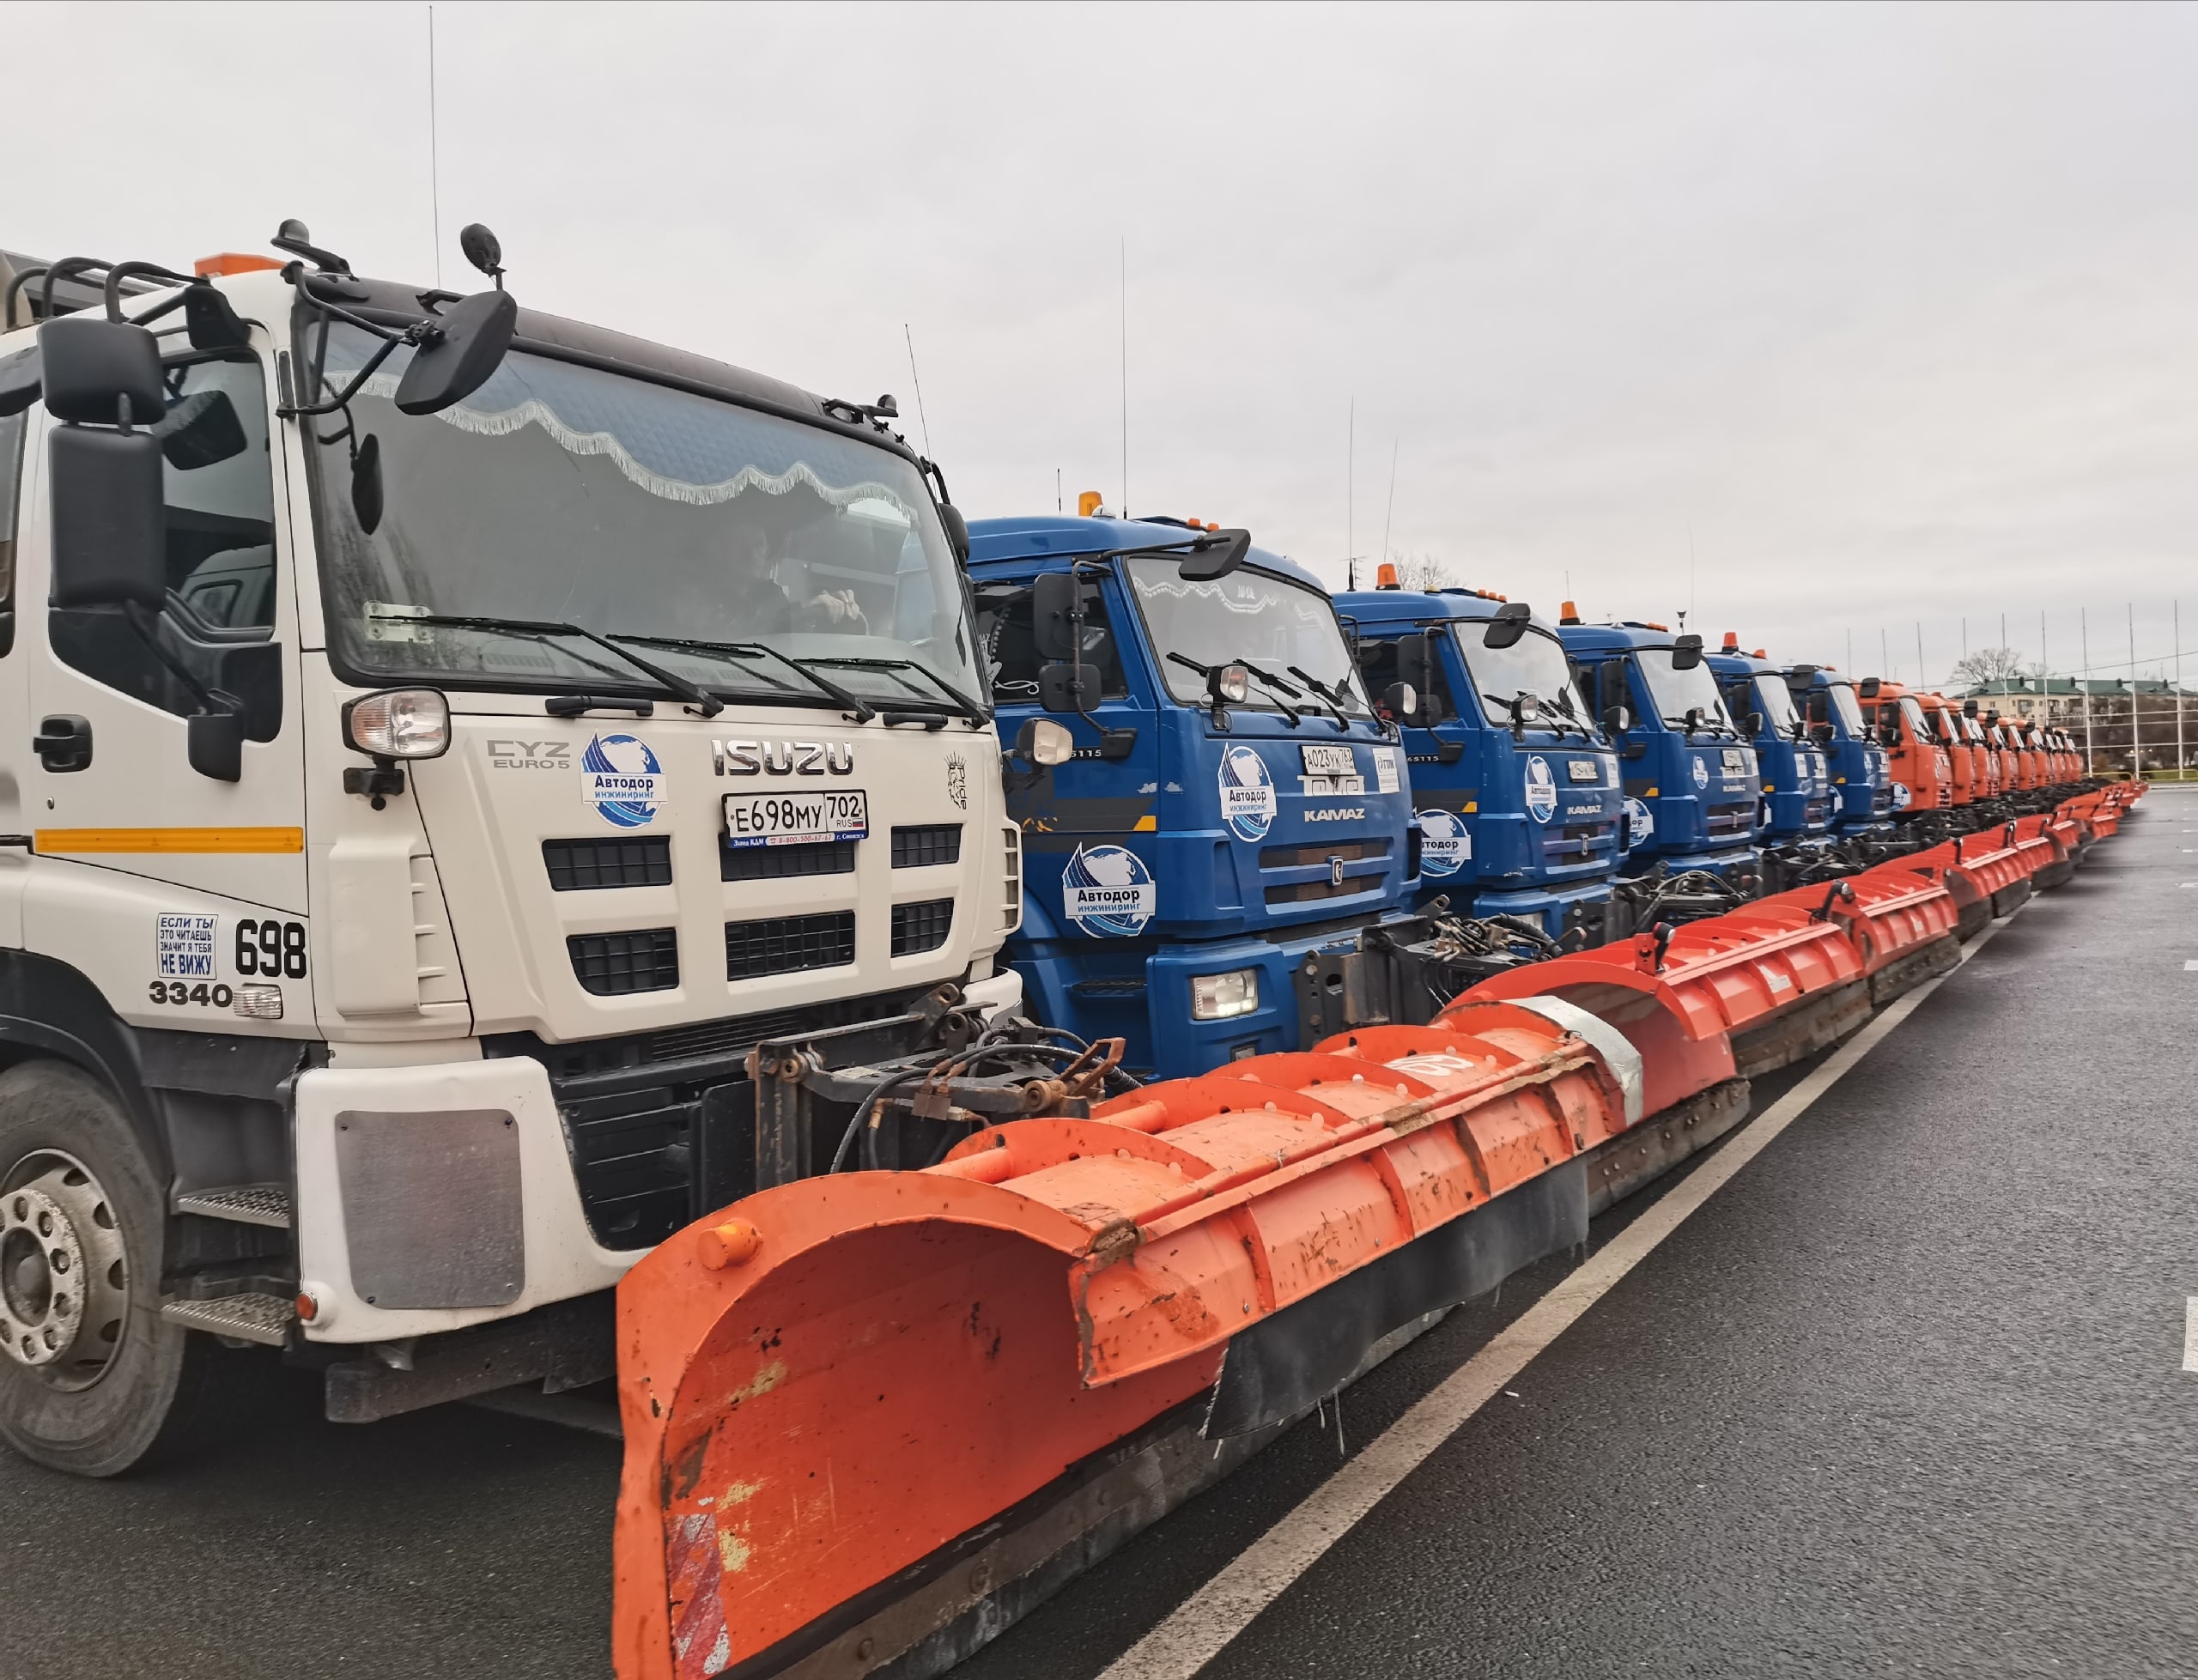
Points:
(435, 156)
(1125, 512)
(1350, 509)
(1388, 518)
(917, 379)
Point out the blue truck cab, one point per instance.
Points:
(1861, 773)
(1690, 775)
(1515, 784)
(1233, 801)
(1798, 807)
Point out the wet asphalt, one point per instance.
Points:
(1905, 1397)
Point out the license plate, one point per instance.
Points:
(795, 819)
(1329, 761)
(1583, 770)
(1733, 766)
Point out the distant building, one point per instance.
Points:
(2108, 703)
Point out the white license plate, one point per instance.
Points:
(1329, 761)
(795, 819)
(1583, 770)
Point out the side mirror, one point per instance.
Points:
(1223, 553)
(467, 343)
(1417, 655)
(1752, 724)
(1402, 701)
(1822, 734)
(1968, 708)
(1616, 721)
(201, 431)
(1508, 625)
(365, 484)
(100, 373)
(1053, 598)
(109, 526)
(1869, 686)
(1686, 653)
(213, 743)
(1064, 687)
(957, 530)
(1043, 742)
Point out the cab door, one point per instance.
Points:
(161, 882)
(16, 464)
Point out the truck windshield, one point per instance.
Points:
(1776, 705)
(1534, 664)
(1251, 618)
(561, 495)
(1844, 703)
(1914, 714)
(1676, 692)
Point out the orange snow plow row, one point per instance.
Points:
(872, 1417)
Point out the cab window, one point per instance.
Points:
(1003, 631)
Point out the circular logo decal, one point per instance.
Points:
(1640, 827)
(1108, 891)
(620, 777)
(1248, 802)
(1445, 846)
(1542, 789)
(1701, 773)
(1901, 795)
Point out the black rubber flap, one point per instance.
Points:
(1304, 1353)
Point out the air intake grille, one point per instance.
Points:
(922, 848)
(610, 964)
(776, 863)
(787, 944)
(921, 927)
(585, 865)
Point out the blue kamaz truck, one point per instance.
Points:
(1688, 766)
(1861, 773)
(1796, 813)
(1513, 780)
(1233, 816)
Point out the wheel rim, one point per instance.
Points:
(65, 1274)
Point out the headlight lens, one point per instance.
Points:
(1217, 997)
(398, 723)
(1232, 684)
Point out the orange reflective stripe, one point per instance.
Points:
(52, 841)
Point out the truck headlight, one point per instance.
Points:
(1232, 684)
(1217, 997)
(398, 723)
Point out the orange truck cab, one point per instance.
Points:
(1922, 770)
(1945, 721)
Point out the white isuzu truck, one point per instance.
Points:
(477, 792)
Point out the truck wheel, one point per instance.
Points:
(92, 1379)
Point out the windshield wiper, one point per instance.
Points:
(1332, 698)
(861, 711)
(961, 702)
(707, 704)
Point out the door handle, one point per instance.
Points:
(64, 743)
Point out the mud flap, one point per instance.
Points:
(1288, 1362)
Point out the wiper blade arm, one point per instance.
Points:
(968, 707)
(861, 710)
(1278, 687)
(704, 702)
(1326, 696)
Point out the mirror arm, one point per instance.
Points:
(342, 398)
(121, 271)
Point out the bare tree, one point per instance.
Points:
(1989, 665)
(1424, 572)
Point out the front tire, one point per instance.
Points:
(93, 1380)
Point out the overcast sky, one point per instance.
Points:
(1830, 320)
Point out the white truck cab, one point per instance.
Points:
(412, 821)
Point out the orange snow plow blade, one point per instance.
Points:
(1987, 877)
(834, 1391)
(1743, 992)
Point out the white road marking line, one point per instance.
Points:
(2190, 1332)
(1198, 1628)
(2188, 964)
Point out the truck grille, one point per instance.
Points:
(1305, 892)
(589, 865)
(921, 927)
(1316, 857)
(778, 863)
(789, 944)
(1729, 822)
(610, 964)
(927, 846)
